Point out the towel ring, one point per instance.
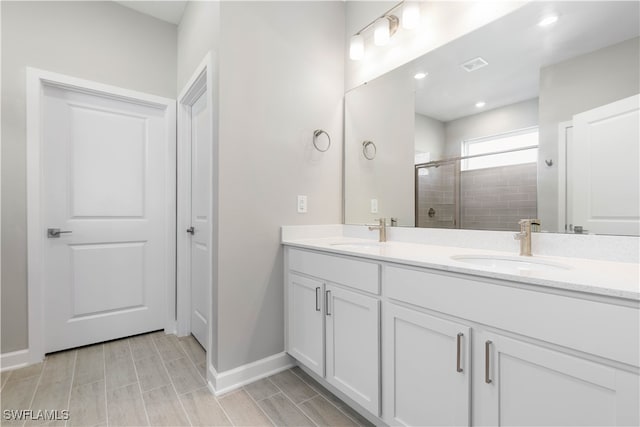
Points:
(365, 150)
(316, 134)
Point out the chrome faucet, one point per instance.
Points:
(524, 236)
(382, 227)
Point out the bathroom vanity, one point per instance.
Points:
(419, 334)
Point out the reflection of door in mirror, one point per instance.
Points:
(604, 172)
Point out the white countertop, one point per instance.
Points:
(615, 279)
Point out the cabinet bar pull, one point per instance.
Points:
(487, 380)
(318, 298)
(458, 339)
(327, 297)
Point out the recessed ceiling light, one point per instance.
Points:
(420, 75)
(548, 20)
(480, 104)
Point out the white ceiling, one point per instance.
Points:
(169, 10)
(516, 48)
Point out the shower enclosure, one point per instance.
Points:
(454, 193)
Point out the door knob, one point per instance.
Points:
(191, 230)
(54, 233)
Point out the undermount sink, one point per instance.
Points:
(357, 245)
(512, 264)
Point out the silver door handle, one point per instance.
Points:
(327, 297)
(487, 349)
(458, 339)
(318, 298)
(54, 233)
(191, 230)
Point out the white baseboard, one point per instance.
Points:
(223, 382)
(14, 360)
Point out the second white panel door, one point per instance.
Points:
(107, 202)
(200, 230)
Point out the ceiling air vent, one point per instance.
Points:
(474, 64)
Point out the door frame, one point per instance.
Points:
(36, 80)
(563, 193)
(201, 82)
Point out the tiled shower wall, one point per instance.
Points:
(436, 191)
(491, 199)
(497, 198)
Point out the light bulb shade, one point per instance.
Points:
(356, 47)
(410, 15)
(381, 32)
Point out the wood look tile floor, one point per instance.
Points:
(159, 380)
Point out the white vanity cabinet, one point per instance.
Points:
(427, 369)
(520, 383)
(462, 349)
(333, 322)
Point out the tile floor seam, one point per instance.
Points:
(104, 372)
(73, 376)
(164, 365)
(329, 400)
(144, 404)
(7, 380)
(193, 361)
(220, 405)
(259, 407)
(35, 390)
(294, 404)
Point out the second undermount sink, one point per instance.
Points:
(357, 245)
(511, 264)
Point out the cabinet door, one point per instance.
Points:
(427, 369)
(518, 383)
(353, 346)
(305, 322)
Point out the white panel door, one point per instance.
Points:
(427, 369)
(605, 168)
(304, 322)
(201, 257)
(519, 384)
(353, 345)
(104, 166)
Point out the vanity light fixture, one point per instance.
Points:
(548, 20)
(421, 75)
(480, 104)
(384, 27)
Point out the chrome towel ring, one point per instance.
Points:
(369, 150)
(316, 134)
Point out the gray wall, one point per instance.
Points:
(503, 119)
(281, 77)
(198, 33)
(100, 41)
(429, 136)
(574, 86)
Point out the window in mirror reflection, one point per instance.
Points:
(515, 148)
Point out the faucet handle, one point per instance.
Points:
(381, 221)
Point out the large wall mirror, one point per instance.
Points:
(525, 117)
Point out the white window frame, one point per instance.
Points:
(467, 142)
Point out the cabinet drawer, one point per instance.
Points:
(351, 272)
(606, 330)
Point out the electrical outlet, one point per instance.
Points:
(302, 204)
(374, 205)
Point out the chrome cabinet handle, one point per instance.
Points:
(191, 230)
(458, 339)
(327, 297)
(487, 346)
(54, 233)
(318, 298)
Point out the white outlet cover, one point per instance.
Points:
(302, 204)
(374, 205)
